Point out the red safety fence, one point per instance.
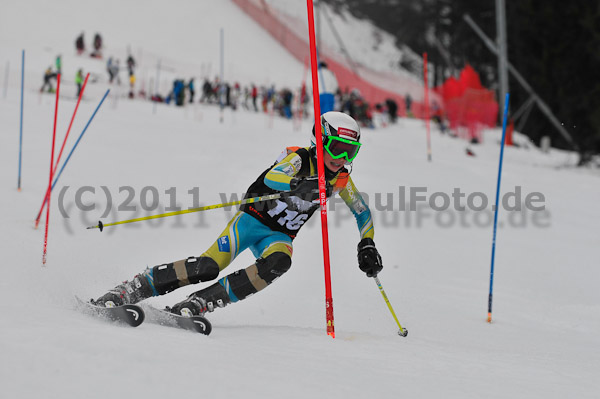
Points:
(469, 106)
(375, 87)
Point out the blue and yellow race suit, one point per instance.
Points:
(267, 229)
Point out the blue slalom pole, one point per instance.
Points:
(156, 86)
(21, 125)
(222, 40)
(489, 318)
(221, 88)
(79, 139)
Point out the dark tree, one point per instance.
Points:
(555, 46)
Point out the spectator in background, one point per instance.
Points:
(264, 93)
(236, 93)
(80, 44)
(109, 69)
(254, 97)
(380, 117)
(287, 97)
(392, 108)
(328, 86)
(131, 86)
(206, 91)
(221, 93)
(79, 80)
(97, 53)
(130, 65)
(408, 105)
(191, 89)
(438, 116)
(227, 90)
(178, 92)
(48, 76)
(58, 63)
(246, 98)
(113, 70)
(350, 98)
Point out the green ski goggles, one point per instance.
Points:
(338, 148)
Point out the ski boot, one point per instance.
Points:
(203, 301)
(129, 292)
(194, 305)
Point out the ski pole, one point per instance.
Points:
(403, 331)
(101, 225)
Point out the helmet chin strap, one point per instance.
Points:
(349, 166)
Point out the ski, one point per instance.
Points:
(198, 324)
(132, 315)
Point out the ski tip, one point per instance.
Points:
(202, 325)
(136, 315)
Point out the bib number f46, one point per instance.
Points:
(292, 220)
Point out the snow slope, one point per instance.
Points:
(543, 342)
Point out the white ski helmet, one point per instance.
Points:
(337, 124)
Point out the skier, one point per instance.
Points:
(267, 228)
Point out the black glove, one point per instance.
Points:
(307, 188)
(369, 260)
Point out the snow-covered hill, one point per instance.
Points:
(543, 342)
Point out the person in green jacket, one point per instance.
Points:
(58, 63)
(79, 80)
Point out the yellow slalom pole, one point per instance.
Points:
(403, 331)
(101, 225)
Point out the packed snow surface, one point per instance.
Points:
(543, 342)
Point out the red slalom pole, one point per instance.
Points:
(49, 191)
(39, 215)
(320, 170)
(427, 106)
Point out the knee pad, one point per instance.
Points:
(273, 266)
(254, 278)
(192, 270)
